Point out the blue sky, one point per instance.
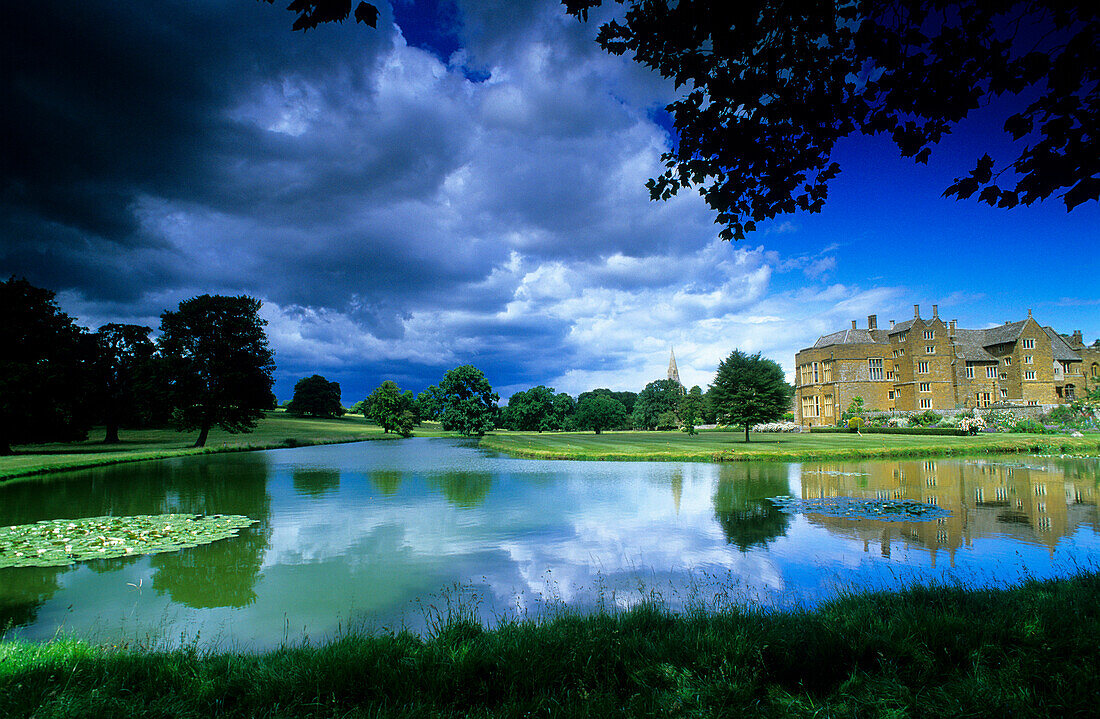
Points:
(465, 184)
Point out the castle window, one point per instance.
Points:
(930, 334)
(925, 386)
(897, 353)
(826, 371)
(1070, 392)
(969, 371)
(890, 395)
(874, 365)
(1008, 361)
(1028, 359)
(930, 349)
(983, 399)
(1004, 393)
(828, 405)
(816, 380)
(1029, 344)
(1029, 375)
(991, 372)
(922, 368)
(1033, 403)
(902, 337)
(926, 403)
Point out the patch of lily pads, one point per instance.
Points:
(888, 510)
(59, 542)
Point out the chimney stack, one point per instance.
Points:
(916, 311)
(853, 324)
(935, 311)
(891, 324)
(872, 322)
(953, 325)
(1077, 337)
(1029, 313)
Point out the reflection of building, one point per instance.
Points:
(1039, 504)
(924, 364)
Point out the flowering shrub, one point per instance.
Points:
(971, 425)
(897, 422)
(777, 427)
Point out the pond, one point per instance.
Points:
(385, 535)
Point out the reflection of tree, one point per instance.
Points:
(387, 482)
(316, 482)
(463, 489)
(23, 590)
(741, 506)
(224, 573)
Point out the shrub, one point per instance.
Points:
(777, 427)
(1028, 426)
(897, 422)
(971, 424)
(942, 431)
(855, 423)
(927, 418)
(788, 417)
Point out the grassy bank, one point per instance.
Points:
(731, 446)
(1029, 651)
(277, 429)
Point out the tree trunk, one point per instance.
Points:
(203, 432)
(5, 447)
(112, 433)
(746, 431)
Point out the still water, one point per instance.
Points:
(384, 535)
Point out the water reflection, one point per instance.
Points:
(314, 482)
(463, 489)
(220, 574)
(741, 504)
(1029, 501)
(378, 529)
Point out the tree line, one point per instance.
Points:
(210, 366)
(747, 390)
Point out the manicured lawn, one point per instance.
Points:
(939, 652)
(277, 429)
(731, 446)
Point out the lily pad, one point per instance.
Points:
(887, 510)
(59, 542)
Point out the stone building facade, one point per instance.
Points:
(924, 364)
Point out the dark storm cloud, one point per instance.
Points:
(106, 102)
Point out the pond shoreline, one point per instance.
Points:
(677, 447)
(935, 651)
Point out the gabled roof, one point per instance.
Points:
(969, 346)
(1002, 334)
(1061, 350)
(901, 327)
(846, 337)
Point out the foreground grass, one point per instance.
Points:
(277, 429)
(731, 446)
(1028, 651)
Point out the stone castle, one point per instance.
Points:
(924, 364)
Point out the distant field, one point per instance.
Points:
(731, 446)
(277, 429)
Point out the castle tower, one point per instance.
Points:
(673, 373)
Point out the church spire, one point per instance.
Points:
(673, 373)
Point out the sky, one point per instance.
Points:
(464, 185)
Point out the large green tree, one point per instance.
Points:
(469, 402)
(45, 368)
(124, 375)
(429, 404)
(219, 363)
(748, 390)
(531, 410)
(390, 408)
(627, 399)
(658, 404)
(315, 396)
(770, 86)
(599, 412)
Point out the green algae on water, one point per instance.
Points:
(59, 542)
(889, 510)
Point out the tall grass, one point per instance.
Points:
(941, 651)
